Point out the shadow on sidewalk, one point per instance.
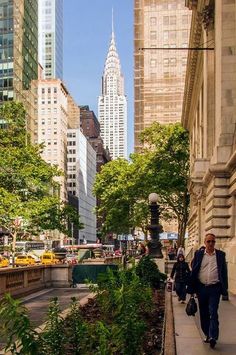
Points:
(189, 339)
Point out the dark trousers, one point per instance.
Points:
(208, 299)
(180, 288)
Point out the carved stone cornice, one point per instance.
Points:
(191, 4)
(195, 41)
(208, 14)
(197, 191)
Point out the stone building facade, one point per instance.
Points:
(161, 32)
(209, 114)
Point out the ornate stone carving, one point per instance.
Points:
(191, 4)
(196, 191)
(208, 17)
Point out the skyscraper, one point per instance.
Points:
(112, 105)
(52, 126)
(19, 54)
(159, 73)
(50, 25)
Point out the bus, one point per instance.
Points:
(35, 247)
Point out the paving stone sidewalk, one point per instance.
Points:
(189, 338)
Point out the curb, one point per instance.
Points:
(169, 327)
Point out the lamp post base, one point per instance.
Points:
(154, 249)
(160, 263)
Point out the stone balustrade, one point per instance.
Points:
(28, 279)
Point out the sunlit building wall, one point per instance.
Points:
(50, 47)
(19, 56)
(81, 171)
(159, 73)
(112, 105)
(52, 126)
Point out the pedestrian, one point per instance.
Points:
(171, 253)
(180, 250)
(141, 249)
(209, 281)
(180, 273)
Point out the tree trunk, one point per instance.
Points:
(13, 247)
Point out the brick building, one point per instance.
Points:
(91, 129)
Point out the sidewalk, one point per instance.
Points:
(188, 336)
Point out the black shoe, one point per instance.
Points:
(206, 340)
(212, 343)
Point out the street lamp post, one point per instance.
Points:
(154, 245)
(72, 233)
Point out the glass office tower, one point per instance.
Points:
(19, 53)
(50, 46)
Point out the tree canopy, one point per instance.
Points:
(162, 167)
(28, 192)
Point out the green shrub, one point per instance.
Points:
(16, 328)
(149, 273)
(123, 297)
(76, 329)
(53, 338)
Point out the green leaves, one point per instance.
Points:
(28, 190)
(15, 323)
(162, 167)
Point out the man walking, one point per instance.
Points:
(209, 281)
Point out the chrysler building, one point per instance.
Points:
(112, 105)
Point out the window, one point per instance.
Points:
(166, 62)
(153, 63)
(184, 19)
(185, 34)
(153, 3)
(153, 21)
(172, 6)
(166, 20)
(172, 20)
(166, 35)
(153, 35)
(172, 35)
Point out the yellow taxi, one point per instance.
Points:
(3, 262)
(49, 258)
(24, 260)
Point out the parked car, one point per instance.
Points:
(3, 262)
(24, 260)
(71, 259)
(49, 258)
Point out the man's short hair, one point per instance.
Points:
(212, 234)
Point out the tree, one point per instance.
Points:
(168, 149)
(162, 166)
(121, 200)
(28, 191)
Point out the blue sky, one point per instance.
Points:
(87, 34)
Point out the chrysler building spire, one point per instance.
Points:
(112, 104)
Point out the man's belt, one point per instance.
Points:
(210, 285)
